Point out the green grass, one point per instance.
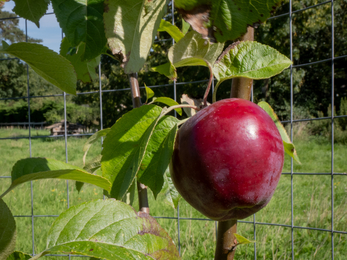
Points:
(312, 203)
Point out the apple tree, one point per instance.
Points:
(138, 148)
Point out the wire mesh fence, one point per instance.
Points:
(308, 222)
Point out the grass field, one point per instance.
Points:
(312, 203)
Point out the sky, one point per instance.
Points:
(49, 30)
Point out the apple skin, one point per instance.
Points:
(228, 159)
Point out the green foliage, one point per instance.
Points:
(45, 62)
(85, 70)
(43, 168)
(287, 143)
(190, 4)
(158, 154)
(18, 256)
(171, 29)
(130, 29)
(250, 60)
(232, 18)
(109, 230)
(193, 50)
(7, 231)
(83, 114)
(82, 21)
(125, 146)
(32, 10)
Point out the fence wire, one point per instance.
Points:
(178, 218)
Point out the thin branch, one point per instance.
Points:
(136, 98)
(208, 87)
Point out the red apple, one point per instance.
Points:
(228, 159)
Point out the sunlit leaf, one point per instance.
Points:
(242, 240)
(288, 145)
(131, 28)
(169, 102)
(193, 50)
(30, 169)
(92, 140)
(171, 193)
(250, 60)
(167, 69)
(111, 230)
(149, 93)
(125, 146)
(158, 154)
(171, 29)
(48, 64)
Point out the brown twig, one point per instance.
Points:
(208, 87)
(136, 98)
(226, 242)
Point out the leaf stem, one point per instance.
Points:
(7, 191)
(136, 98)
(208, 87)
(169, 109)
(214, 95)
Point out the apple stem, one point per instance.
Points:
(136, 98)
(208, 87)
(226, 241)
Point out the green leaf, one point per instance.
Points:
(131, 28)
(185, 26)
(125, 146)
(251, 60)
(190, 4)
(171, 29)
(158, 154)
(92, 140)
(85, 70)
(7, 231)
(18, 256)
(82, 21)
(32, 10)
(168, 101)
(130, 196)
(242, 240)
(111, 230)
(230, 18)
(171, 194)
(49, 65)
(149, 93)
(288, 145)
(94, 167)
(167, 70)
(193, 50)
(30, 169)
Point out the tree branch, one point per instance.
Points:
(226, 241)
(136, 98)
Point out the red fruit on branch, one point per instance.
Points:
(228, 159)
